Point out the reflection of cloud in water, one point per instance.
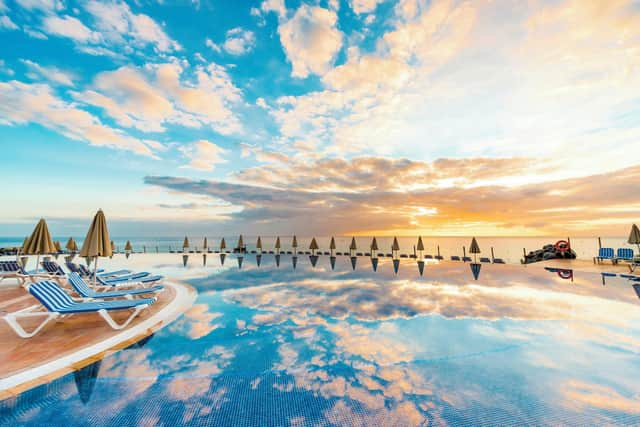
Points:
(197, 321)
(278, 347)
(368, 300)
(588, 395)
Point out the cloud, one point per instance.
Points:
(364, 6)
(276, 6)
(70, 27)
(203, 155)
(354, 191)
(149, 98)
(118, 24)
(36, 103)
(42, 5)
(311, 40)
(239, 41)
(410, 95)
(372, 99)
(113, 24)
(53, 74)
(7, 24)
(211, 45)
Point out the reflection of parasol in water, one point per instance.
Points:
(85, 380)
(475, 270)
(374, 263)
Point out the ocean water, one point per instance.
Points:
(272, 343)
(508, 248)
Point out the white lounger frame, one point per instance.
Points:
(12, 319)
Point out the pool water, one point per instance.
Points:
(276, 346)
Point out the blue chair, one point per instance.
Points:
(58, 303)
(603, 254)
(85, 291)
(624, 254)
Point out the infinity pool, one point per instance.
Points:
(272, 345)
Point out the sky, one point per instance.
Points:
(321, 117)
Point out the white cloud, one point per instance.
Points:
(53, 74)
(365, 6)
(276, 6)
(34, 33)
(113, 24)
(260, 102)
(149, 98)
(203, 155)
(311, 40)
(239, 41)
(43, 5)
(211, 45)
(7, 24)
(70, 27)
(118, 24)
(4, 69)
(36, 103)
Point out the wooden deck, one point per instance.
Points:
(63, 338)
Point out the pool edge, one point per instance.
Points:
(13, 385)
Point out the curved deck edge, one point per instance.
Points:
(13, 385)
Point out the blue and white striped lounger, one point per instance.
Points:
(52, 268)
(85, 272)
(58, 303)
(85, 291)
(13, 270)
(133, 279)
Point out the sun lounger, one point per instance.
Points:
(53, 269)
(85, 272)
(143, 279)
(455, 258)
(57, 303)
(466, 259)
(81, 287)
(13, 270)
(624, 254)
(604, 254)
(485, 259)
